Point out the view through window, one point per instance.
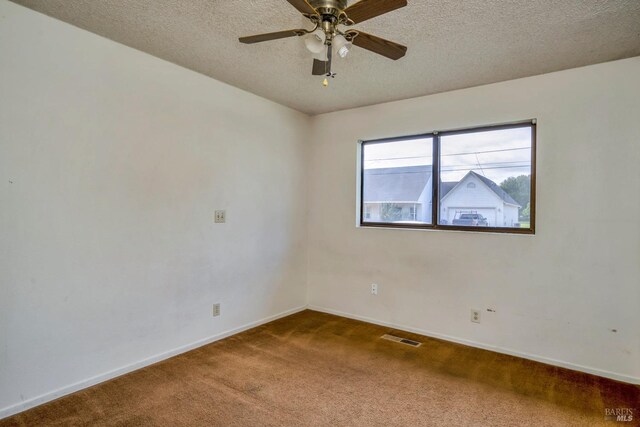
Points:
(484, 180)
(397, 181)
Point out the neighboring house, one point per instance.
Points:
(476, 193)
(397, 194)
(404, 194)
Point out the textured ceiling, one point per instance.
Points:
(453, 44)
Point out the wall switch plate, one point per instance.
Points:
(374, 289)
(475, 316)
(219, 216)
(216, 310)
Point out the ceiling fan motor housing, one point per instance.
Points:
(329, 8)
(334, 4)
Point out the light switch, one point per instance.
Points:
(220, 216)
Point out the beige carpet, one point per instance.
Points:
(313, 369)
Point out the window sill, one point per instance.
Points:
(482, 230)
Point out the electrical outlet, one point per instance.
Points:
(220, 216)
(216, 310)
(374, 289)
(475, 316)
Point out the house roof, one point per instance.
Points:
(496, 189)
(403, 184)
(446, 186)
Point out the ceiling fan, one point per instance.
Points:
(329, 18)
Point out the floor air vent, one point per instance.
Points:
(393, 338)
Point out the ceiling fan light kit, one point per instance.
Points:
(315, 41)
(341, 45)
(331, 33)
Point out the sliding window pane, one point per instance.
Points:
(397, 181)
(485, 178)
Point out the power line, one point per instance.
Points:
(451, 154)
(526, 162)
(479, 165)
(399, 158)
(494, 167)
(449, 170)
(469, 166)
(488, 151)
(515, 163)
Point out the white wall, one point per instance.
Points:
(557, 294)
(111, 165)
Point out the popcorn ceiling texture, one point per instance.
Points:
(452, 44)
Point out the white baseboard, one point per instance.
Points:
(534, 357)
(72, 388)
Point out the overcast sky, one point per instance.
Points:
(496, 154)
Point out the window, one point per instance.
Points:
(481, 179)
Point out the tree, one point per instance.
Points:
(519, 188)
(525, 213)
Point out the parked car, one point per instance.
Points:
(470, 219)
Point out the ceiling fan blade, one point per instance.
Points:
(302, 6)
(319, 67)
(270, 36)
(380, 46)
(367, 9)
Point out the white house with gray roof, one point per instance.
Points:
(397, 194)
(404, 194)
(478, 194)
